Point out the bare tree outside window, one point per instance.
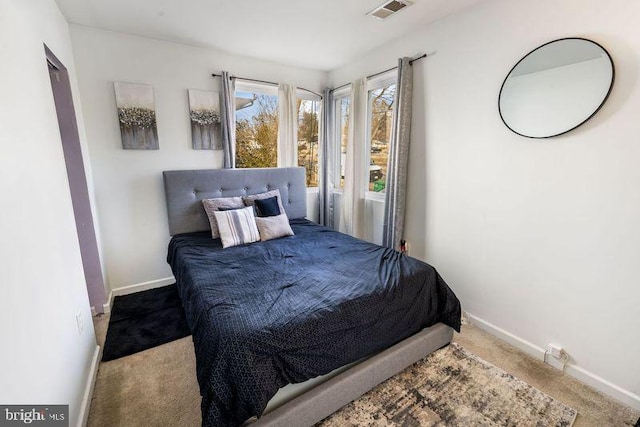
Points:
(381, 102)
(342, 107)
(308, 125)
(257, 131)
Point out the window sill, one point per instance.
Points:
(375, 196)
(368, 195)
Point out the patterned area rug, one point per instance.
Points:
(453, 387)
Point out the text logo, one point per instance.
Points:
(37, 415)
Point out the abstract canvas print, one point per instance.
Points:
(137, 116)
(204, 112)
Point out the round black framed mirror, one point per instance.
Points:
(556, 87)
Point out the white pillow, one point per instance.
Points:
(272, 227)
(237, 227)
(212, 205)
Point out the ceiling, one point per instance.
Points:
(321, 34)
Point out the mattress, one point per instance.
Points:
(283, 311)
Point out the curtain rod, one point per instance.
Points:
(266, 82)
(411, 61)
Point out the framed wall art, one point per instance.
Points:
(204, 113)
(136, 116)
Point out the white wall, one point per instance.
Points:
(44, 360)
(539, 238)
(128, 183)
(374, 219)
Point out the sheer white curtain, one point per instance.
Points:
(287, 126)
(228, 120)
(355, 168)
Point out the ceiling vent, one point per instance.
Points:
(389, 8)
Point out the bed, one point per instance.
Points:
(291, 329)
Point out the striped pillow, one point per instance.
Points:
(219, 203)
(237, 227)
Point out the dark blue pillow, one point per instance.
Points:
(267, 207)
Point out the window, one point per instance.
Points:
(256, 125)
(308, 124)
(257, 128)
(342, 101)
(381, 103)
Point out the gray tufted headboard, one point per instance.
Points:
(185, 189)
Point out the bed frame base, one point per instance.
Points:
(326, 398)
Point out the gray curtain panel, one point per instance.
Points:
(396, 189)
(228, 120)
(326, 159)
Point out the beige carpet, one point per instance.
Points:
(158, 387)
(452, 387)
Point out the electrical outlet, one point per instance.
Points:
(556, 356)
(79, 322)
(555, 351)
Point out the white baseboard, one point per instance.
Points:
(529, 348)
(579, 373)
(603, 385)
(88, 389)
(138, 287)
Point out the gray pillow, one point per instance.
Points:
(237, 227)
(250, 200)
(272, 227)
(213, 205)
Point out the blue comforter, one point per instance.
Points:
(283, 311)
